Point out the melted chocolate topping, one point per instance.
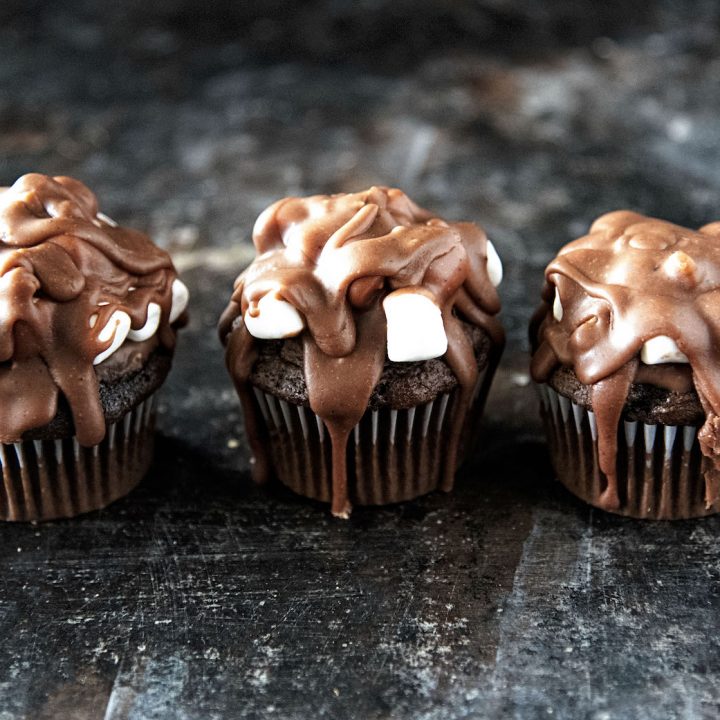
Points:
(633, 278)
(64, 270)
(335, 258)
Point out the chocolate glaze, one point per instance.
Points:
(334, 258)
(630, 279)
(63, 271)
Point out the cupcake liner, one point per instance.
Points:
(659, 467)
(392, 455)
(59, 478)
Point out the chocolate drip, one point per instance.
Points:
(335, 258)
(327, 382)
(608, 399)
(631, 279)
(64, 271)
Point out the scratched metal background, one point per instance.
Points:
(201, 597)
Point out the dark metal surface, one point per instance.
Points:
(202, 597)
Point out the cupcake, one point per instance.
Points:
(626, 351)
(362, 342)
(88, 315)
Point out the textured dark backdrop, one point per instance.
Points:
(202, 597)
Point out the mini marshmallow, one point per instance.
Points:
(276, 319)
(107, 220)
(662, 349)
(680, 266)
(117, 328)
(180, 297)
(151, 325)
(494, 265)
(415, 329)
(557, 307)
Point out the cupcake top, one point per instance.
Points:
(635, 300)
(74, 288)
(360, 276)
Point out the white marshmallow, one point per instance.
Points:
(151, 324)
(107, 220)
(180, 297)
(557, 307)
(415, 329)
(494, 265)
(662, 349)
(117, 328)
(277, 319)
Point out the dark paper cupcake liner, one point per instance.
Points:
(659, 467)
(59, 478)
(392, 455)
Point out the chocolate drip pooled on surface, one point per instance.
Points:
(632, 279)
(64, 270)
(334, 259)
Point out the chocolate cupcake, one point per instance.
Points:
(88, 312)
(626, 348)
(362, 342)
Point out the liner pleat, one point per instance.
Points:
(659, 467)
(393, 455)
(59, 478)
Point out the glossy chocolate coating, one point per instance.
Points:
(335, 258)
(64, 270)
(633, 278)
